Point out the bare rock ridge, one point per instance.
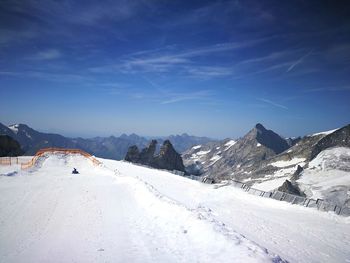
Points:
(167, 158)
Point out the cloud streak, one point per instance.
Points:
(273, 103)
(171, 98)
(48, 54)
(299, 61)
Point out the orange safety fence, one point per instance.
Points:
(10, 161)
(42, 152)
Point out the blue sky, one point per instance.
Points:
(212, 68)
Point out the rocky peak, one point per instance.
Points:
(167, 158)
(166, 147)
(268, 138)
(147, 153)
(133, 154)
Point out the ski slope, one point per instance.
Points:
(120, 212)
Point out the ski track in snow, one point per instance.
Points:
(104, 214)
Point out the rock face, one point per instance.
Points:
(167, 158)
(9, 146)
(147, 154)
(133, 154)
(289, 188)
(270, 139)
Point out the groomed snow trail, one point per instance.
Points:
(99, 215)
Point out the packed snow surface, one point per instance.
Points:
(270, 185)
(120, 212)
(288, 163)
(324, 132)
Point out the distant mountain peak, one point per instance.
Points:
(268, 138)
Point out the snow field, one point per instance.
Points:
(296, 233)
(105, 215)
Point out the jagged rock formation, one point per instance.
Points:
(167, 158)
(290, 188)
(133, 154)
(147, 153)
(9, 146)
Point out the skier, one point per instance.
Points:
(75, 171)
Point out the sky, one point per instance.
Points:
(207, 68)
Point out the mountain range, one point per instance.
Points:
(105, 147)
(266, 161)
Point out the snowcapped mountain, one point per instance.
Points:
(265, 161)
(235, 158)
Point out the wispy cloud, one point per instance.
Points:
(48, 54)
(185, 60)
(273, 103)
(54, 77)
(203, 95)
(326, 89)
(299, 61)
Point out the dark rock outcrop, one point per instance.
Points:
(147, 153)
(290, 188)
(167, 158)
(9, 146)
(297, 173)
(133, 154)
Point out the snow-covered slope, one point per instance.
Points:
(121, 212)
